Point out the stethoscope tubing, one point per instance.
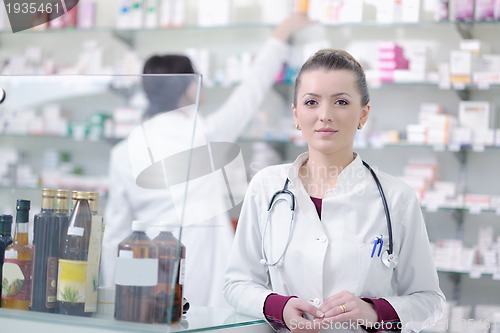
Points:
(286, 191)
(384, 203)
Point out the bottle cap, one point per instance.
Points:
(5, 224)
(94, 196)
(139, 225)
(94, 202)
(23, 204)
(60, 193)
(81, 195)
(47, 192)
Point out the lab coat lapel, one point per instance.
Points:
(311, 238)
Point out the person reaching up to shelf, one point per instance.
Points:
(207, 248)
(327, 243)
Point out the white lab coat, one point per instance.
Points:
(329, 255)
(207, 246)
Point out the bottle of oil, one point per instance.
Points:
(17, 268)
(94, 254)
(72, 268)
(171, 256)
(136, 276)
(45, 251)
(5, 239)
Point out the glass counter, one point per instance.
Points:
(198, 319)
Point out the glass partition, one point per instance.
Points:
(123, 188)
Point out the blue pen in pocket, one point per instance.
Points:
(376, 242)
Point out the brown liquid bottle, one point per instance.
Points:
(136, 276)
(72, 268)
(46, 233)
(17, 267)
(5, 240)
(171, 257)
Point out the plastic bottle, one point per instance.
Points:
(46, 234)
(136, 276)
(17, 267)
(5, 239)
(171, 256)
(72, 269)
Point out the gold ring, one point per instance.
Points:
(342, 308)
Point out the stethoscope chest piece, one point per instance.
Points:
(389, 260)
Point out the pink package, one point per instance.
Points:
(393, 64)
(386, 76)
(496, 13)
(485, 10)
(86, 15)
(464, 10)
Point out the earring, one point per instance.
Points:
(360, 126)
(298, 127)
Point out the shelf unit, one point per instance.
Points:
(248, 37)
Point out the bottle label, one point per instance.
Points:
(76, 231)
(51, 287)
(127, 272)
(182, 271)
(126, 254)
(71, 279)
(94, 255)
(16, 280)
(11, 254)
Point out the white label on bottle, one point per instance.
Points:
(141, 272)
(126, 254)
(182, 271)
(11, 254)
(75, 231)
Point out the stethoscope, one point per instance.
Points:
(388, 257)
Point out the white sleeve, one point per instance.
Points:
(246, 280)
(420, 304)
(117, 219)
(226, 123)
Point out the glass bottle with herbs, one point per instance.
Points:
(5, 239)
(17, 267)
(72, 268)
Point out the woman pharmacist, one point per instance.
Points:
(316, 248)
(206, 248)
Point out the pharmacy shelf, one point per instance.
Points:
(473, 210)
(474, 272)
(49, 137)
(257, 25)
(45, 89)
(297, 141)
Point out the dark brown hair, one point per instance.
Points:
(164, 93)
(330, 59)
